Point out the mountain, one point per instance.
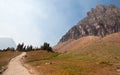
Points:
(6, 42)
(100, 21)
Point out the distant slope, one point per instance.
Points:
(6, 42)
(94, 47)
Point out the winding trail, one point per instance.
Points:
(15, 67)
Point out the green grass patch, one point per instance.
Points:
(71, 69)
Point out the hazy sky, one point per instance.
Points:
(37, 21)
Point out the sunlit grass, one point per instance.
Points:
(47, 63)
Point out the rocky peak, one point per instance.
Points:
(100, 21)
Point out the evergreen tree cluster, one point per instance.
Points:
(22, 47)
(7, 49)
(45, 46)
(25, 48)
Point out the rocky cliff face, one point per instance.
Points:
(100, 21)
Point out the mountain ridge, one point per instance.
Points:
(100, 21)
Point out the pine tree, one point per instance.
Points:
(46, 46)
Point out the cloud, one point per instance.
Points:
(18, 21)
(29, 21)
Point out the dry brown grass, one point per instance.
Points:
(58, 65)
(6, 56)
(34, 56)
(94, 48)
(86, 56)
(79, 44)
(93, 41)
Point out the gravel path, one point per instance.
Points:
(15, 67)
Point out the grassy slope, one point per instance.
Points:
(94, 48)
(53, 64)
(86, 56)
(6, 56)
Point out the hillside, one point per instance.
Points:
(46, 63)
(96, 39)
(92, 47)
(90, 55)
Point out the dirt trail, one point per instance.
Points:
(15, 67)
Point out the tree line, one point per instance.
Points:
(25, 48)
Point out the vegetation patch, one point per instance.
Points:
(5, 57)
(71, 69)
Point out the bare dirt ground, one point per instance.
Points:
(15, 67)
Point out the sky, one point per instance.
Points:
(37, 21)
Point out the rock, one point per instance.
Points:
(118, 70)
(38, 66)
(48, 63)
(100, 21)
